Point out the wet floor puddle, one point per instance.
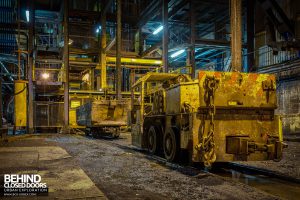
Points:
(274, 186)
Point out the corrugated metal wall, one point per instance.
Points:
(289, 106)
(8, 16)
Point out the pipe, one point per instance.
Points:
(6, 70)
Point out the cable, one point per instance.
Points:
(15, 94)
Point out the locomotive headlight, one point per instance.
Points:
(45, 75)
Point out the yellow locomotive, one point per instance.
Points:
(219, 117)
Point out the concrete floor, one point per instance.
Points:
(64, 178)
(77, 167)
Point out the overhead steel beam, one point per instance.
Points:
(110, 45)
(106, 6)
(153, 10)
(119, 46)
(236, 34)
(151, 49)
(165, 40)
(269, 7)
(6, 84)
(177, 8)
(149, 12)
(172, 12)
(211, 42)
(66, 63)
(6, 70)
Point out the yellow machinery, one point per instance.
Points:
(221, 116)
(103, 117)
(20, 103)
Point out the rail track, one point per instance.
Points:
(251, 170)
(263, 179)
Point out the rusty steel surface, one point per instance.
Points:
(236, 34)
(221, 116)
(20, 106)
(103, 113)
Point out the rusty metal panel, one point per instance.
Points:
(103, 113)
(183, 96)
(241, 89)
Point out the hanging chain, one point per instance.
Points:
(208, 143)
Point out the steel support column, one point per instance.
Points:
(30, 66)
(193, 38)
(250, 35)
(19, 40)
(66, 63)
(236, 34)
(1, 102)
(165, 38)
(103, 46)
(139, 42)
(92, 79)
(119, 46)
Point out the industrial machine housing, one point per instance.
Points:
(221, 116)
(103, 117)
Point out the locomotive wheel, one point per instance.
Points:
(152, 139)
(170, 145)
(116, 133)
(94, 132)
(87, 131)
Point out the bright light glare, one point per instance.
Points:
(45, 75)
(27, 15)
(177, 53)
(159, 29)
(98, 29)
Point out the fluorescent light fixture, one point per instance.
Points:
(27, 15)
(159, 29)
(177, 53)
(45, 75)
(98, 29)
